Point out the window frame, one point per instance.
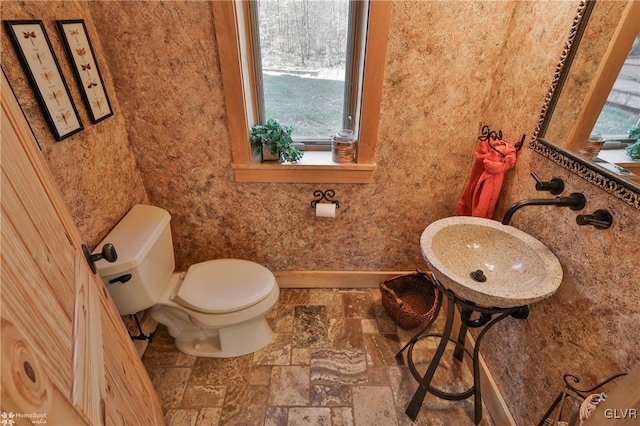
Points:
(624, 135)
(606, 75)
(238, 75)
(356, 41)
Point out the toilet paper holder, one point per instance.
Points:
(324, 195)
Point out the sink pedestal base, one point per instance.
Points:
(484, 319)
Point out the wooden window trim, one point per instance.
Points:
(606, 75)
(225, 14)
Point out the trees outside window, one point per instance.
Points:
(304, 63)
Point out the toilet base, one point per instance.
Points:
(236, 340)
(218, 335)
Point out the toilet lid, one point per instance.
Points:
(224, 285)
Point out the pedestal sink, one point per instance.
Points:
(488, 263)
(487, 272)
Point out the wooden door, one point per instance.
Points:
(66, 357)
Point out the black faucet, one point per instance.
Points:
(600, 219)
(555, 186)
(575, 201)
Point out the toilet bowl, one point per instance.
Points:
(216, 308)
(209, 315)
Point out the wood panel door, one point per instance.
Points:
(66, 357)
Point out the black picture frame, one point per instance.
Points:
(80, 52)
(35, 53)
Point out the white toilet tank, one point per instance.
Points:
(142, 240)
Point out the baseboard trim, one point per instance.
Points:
(493, 399)
(491, 395)
(334, 279)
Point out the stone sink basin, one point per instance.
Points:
(488, 263)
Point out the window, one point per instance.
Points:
(241, 77)
(620, 48)
(303, 64)
(621, 112)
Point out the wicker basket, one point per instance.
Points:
(410, 299)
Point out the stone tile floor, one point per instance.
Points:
(332, 362)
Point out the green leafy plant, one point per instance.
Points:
(276, 138)
(633, 151)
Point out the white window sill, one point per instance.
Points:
(314, 167)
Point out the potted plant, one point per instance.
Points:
(273, 141)
(633, 151)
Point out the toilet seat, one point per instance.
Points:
(224, 285)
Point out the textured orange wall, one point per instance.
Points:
(450, 67)
(170, 92)
(589, 327)
(95, 169)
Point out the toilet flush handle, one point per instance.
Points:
(108, 253)
(121, 279)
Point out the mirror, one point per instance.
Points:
(600, 40)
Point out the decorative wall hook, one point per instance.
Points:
(489, 135)
(324, 195)
(518, 145)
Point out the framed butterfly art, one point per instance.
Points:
(40, 64)
(80, 52)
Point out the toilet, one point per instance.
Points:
(216, 308)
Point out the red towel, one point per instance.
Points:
(480, 196)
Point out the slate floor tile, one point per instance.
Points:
(331, 363)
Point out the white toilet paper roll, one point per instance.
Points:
(325, 210)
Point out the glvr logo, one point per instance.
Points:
(621, 413)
